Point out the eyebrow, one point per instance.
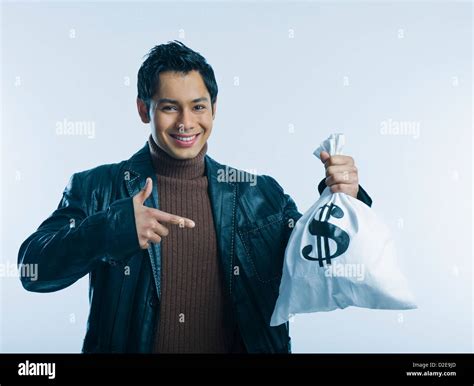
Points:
(174, 101)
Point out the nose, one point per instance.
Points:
(186, 122)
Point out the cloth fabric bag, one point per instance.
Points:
(339, 255)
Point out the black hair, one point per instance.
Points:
(172, 56)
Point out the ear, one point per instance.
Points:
(143, 111)
(214, 109)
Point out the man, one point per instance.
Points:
(179, 260)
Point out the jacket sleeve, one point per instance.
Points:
(361, 195)
(70, 243)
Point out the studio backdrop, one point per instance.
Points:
(394, 77)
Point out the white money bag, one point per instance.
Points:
(339, 255)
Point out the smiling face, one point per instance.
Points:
(180, 115)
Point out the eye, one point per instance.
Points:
(168, 108)
(199, 107)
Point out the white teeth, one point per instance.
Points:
(185, 139)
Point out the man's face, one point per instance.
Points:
(180, 114)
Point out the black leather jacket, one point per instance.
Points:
(93, 232)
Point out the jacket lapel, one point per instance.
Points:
(139, 167)
(223, 196)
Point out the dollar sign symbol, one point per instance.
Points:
(325, 231)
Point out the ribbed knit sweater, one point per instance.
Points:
(192, 304)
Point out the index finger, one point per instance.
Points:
(173, 219)
(339, 160)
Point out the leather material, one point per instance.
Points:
(93, 232)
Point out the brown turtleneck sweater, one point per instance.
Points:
(192, 303)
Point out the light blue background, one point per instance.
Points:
(289, 74)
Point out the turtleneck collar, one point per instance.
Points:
(167, 166)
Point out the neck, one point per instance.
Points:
(167, 166)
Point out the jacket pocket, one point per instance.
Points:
(264, 247)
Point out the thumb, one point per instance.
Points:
(146, 191)
(324, 156)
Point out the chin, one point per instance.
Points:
(184, 153)
(180, 153)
